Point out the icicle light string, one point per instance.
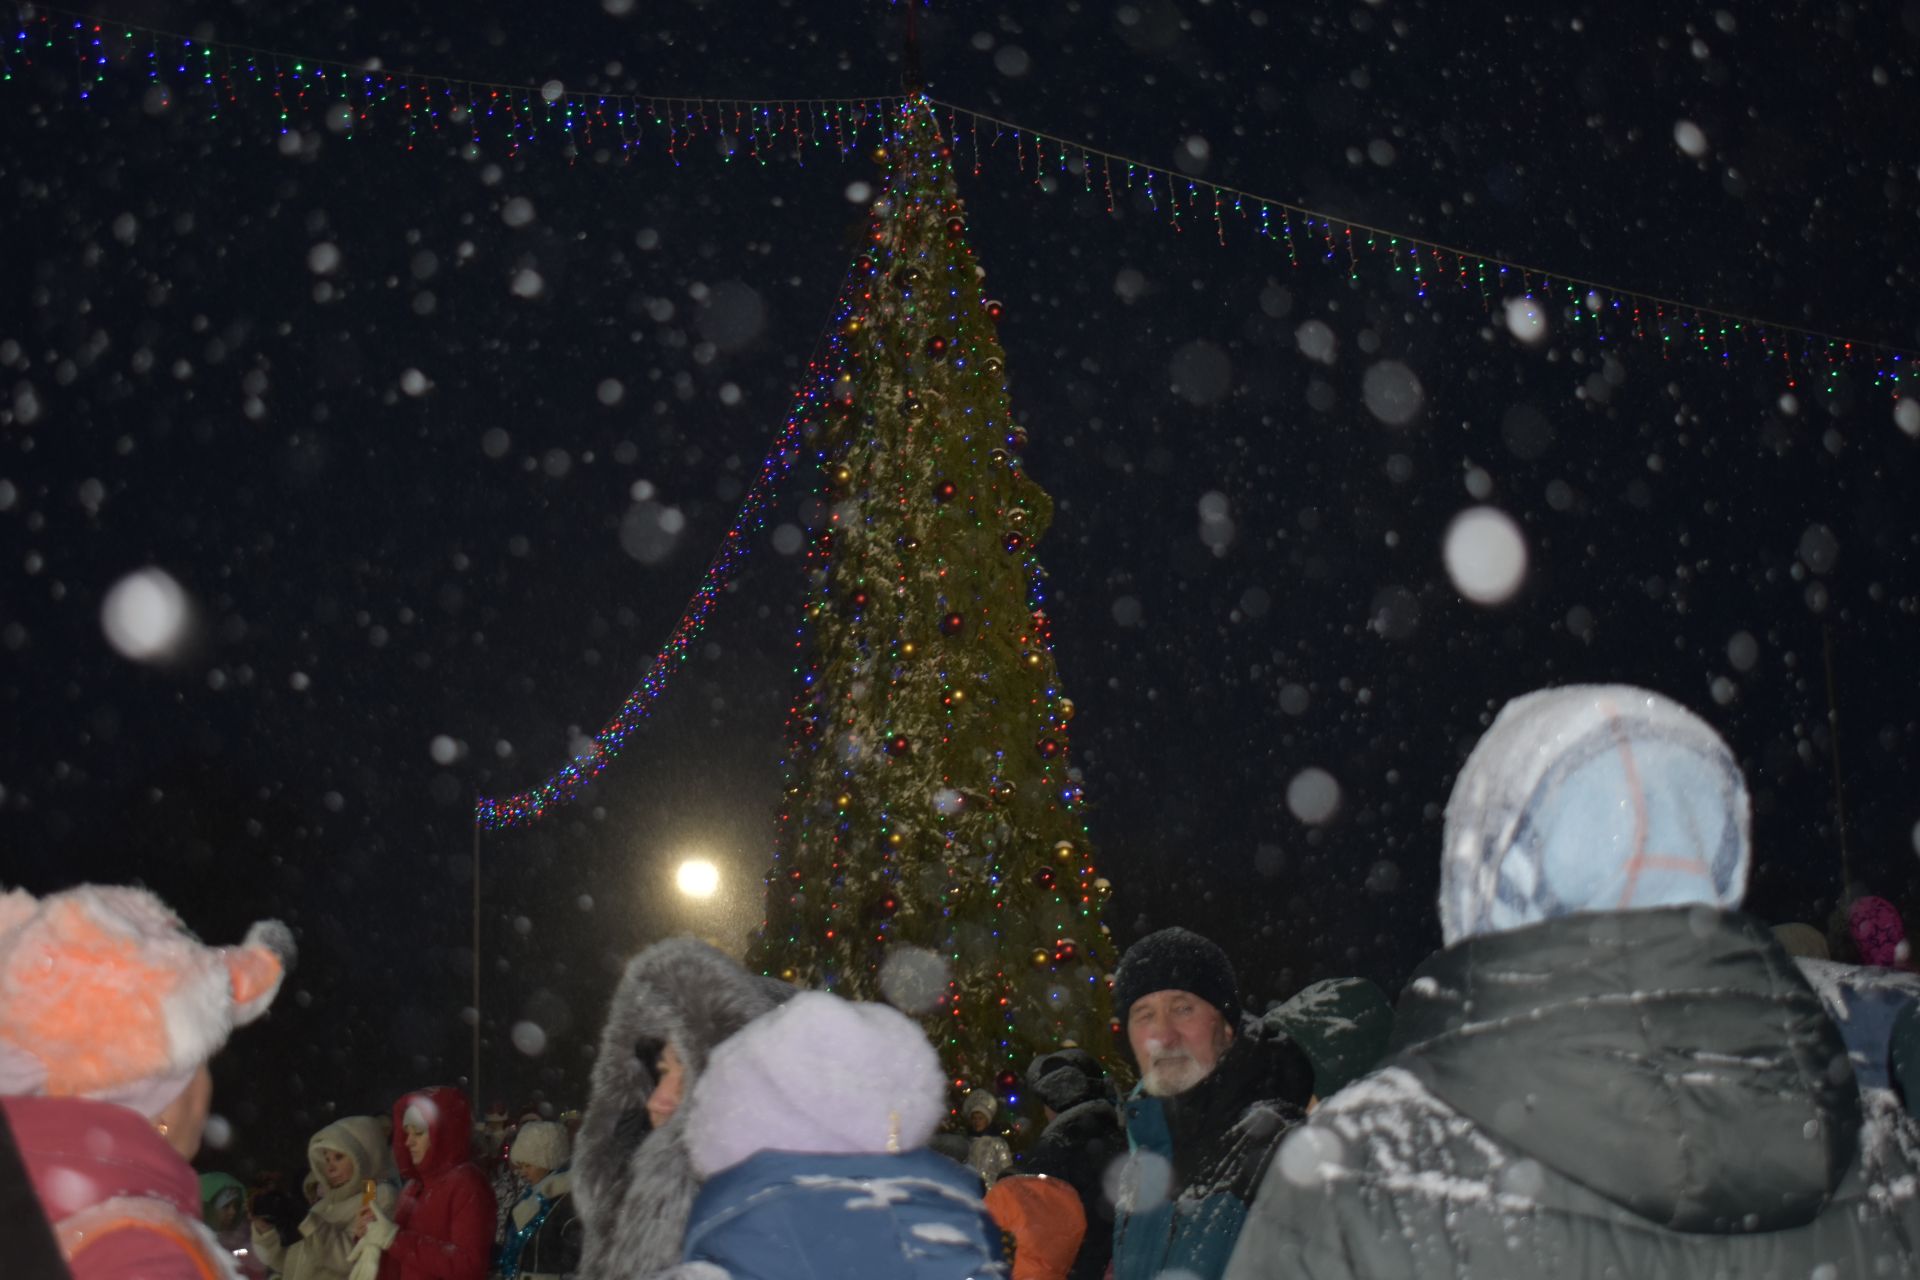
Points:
(1185, 202)
(525, 808)
(343, 97)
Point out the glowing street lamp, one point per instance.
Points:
(697, 878)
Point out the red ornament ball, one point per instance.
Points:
(994, 308)
(1043, 878)
(953, 624)
(944, 491)
(956, 225)
(1065, 949)
(1049, 748)
(898, 744)
(936, 347)
(1006, 1081)
(1014, 543)
(1018, 438)
(859, 599)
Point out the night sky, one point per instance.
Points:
(433, 526)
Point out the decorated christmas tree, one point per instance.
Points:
(931, 846)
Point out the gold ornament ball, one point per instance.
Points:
(1041, 958)
(958, 695)
(1032, 658)
(895, 840)
(789, 975)
(1103, 885)
(1064, 851)
(1066, 709)
(907, 650)
(844, 800)
(842, 474)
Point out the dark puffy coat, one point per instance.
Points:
(1079, 1146)
(1214, 1142)
(1647, 1095)
(543, 1231)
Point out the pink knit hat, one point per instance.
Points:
(104, 994)
(1877, 932)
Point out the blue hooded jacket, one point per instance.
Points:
(784, 1215)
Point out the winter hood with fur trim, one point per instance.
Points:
(634, 1187)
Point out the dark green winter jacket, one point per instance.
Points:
(1197, 1158)
(1643, 1095)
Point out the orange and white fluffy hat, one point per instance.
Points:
(105, 994)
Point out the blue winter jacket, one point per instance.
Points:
(1197, 1158)
(785, 1215)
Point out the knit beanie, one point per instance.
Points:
(1591, 798)
(818, 1074)
(1176, 959)
(1874, 924)
(1066, 1078)
(542, 1144)
(104, 994)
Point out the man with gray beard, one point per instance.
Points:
(1217, 1093)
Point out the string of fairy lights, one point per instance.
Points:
(300, 91)
(817, 388)
(52, 45)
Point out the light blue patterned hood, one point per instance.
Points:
(1591, 798)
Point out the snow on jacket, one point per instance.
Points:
(121, 1202)
(1197, 1157)
(633, 1188)
(326, 1234)
(1081, 1146)
(543, 1231)
(1343, 1025)
(1650, 1094)
(442, 1228)
(1864, 1002)
(810, 1127)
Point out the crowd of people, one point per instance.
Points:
(1609, 1070)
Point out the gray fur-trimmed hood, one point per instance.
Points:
(633, 1186)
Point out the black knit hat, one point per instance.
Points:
(1176, 959)
(1066, 1078)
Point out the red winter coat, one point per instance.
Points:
(446, 1213)
(121, 1202)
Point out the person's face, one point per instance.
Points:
(226, 1214)
(1177, 1039)
(977, 1121)
(185, 1118)
(335, 1167)
(665, 1098)
(417, 1144)
(531, 1174)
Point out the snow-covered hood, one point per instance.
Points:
(1674, 1061)
(1591, 798)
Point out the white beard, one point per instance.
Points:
(1172, 1073)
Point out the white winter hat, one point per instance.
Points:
(819, 1074)
(542, 1144)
